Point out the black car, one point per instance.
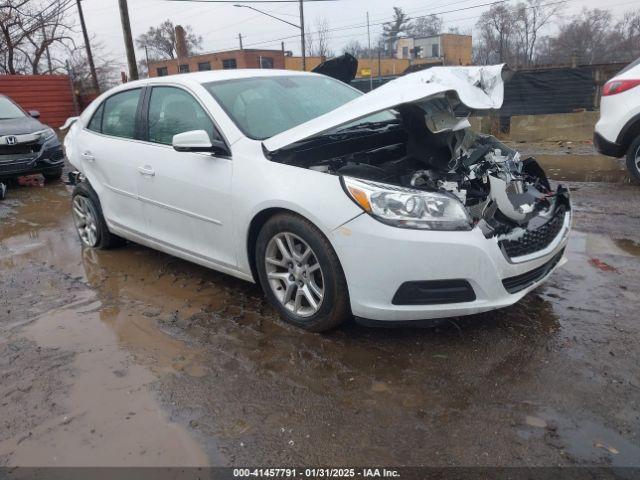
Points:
(26, 145)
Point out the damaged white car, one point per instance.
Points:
(384, 206)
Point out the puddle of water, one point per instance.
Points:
(584, 168)
(629, 246)
(113, 417)
(593, 443)
(597, 244)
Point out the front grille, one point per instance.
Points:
(20, 149)
(535, 240)
(15, 167)
(56, 155)
(520, 282)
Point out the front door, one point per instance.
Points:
(185, 196)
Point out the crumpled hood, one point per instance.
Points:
(479, 88)
(19, 126)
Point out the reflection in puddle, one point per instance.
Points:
(584, 168)
(629, 246)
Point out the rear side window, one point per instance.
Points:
(119, 115)
(172, 111)
(96, 122)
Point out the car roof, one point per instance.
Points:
(216, 75)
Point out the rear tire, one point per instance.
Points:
(52, 175)
(89, 220)
(300, 273)
(633, 160)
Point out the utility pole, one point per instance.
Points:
(87, 46)
(302, 43)
(128, 40)
(370, 54)
(240, 39)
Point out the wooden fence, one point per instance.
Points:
(51, 95)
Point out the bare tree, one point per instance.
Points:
(12, 22)
(400, 24)
(107, 68)
(317, 39)
(587, 36)
(426, 26)
(29, 30)
(54, 29)
(355, 48)
(160, 41)
(626, 37)
(529, 18)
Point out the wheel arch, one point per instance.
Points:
(629, 132)
(256, 224)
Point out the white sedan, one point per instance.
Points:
(384, 206)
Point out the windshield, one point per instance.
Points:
(9, 110)
(264, 106)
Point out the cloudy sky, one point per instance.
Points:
(219, 24)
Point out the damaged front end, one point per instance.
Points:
(420, 166)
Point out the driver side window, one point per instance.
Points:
(173, 111)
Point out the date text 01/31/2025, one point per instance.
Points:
(315, 473)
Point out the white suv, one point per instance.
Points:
(617, 132)
(385, 206)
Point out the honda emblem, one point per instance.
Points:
(11, 140)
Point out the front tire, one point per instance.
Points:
(89, 220)
(300, 273)
(633, 160)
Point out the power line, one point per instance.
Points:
(38, 20)
(364, 25)
(251, 1)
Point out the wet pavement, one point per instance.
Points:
(133, 357)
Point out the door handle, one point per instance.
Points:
(88, 156)
(147, 171)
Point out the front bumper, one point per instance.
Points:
(378, 259)
(50, 157)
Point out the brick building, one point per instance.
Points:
(444, 49)
(247, 58)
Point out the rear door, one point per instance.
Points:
(105, 149)
(185, 196)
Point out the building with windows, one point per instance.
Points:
(443, 49)
(246, 58)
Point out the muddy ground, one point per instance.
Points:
(133, 357)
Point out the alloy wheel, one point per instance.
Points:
(85, 221)
(294, 274)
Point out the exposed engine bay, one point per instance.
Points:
(426, 147)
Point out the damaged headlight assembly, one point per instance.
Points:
(408, 208)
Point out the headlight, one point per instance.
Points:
(406, 207)
(47, 134)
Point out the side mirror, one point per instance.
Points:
(199, 141)
(34, 113)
